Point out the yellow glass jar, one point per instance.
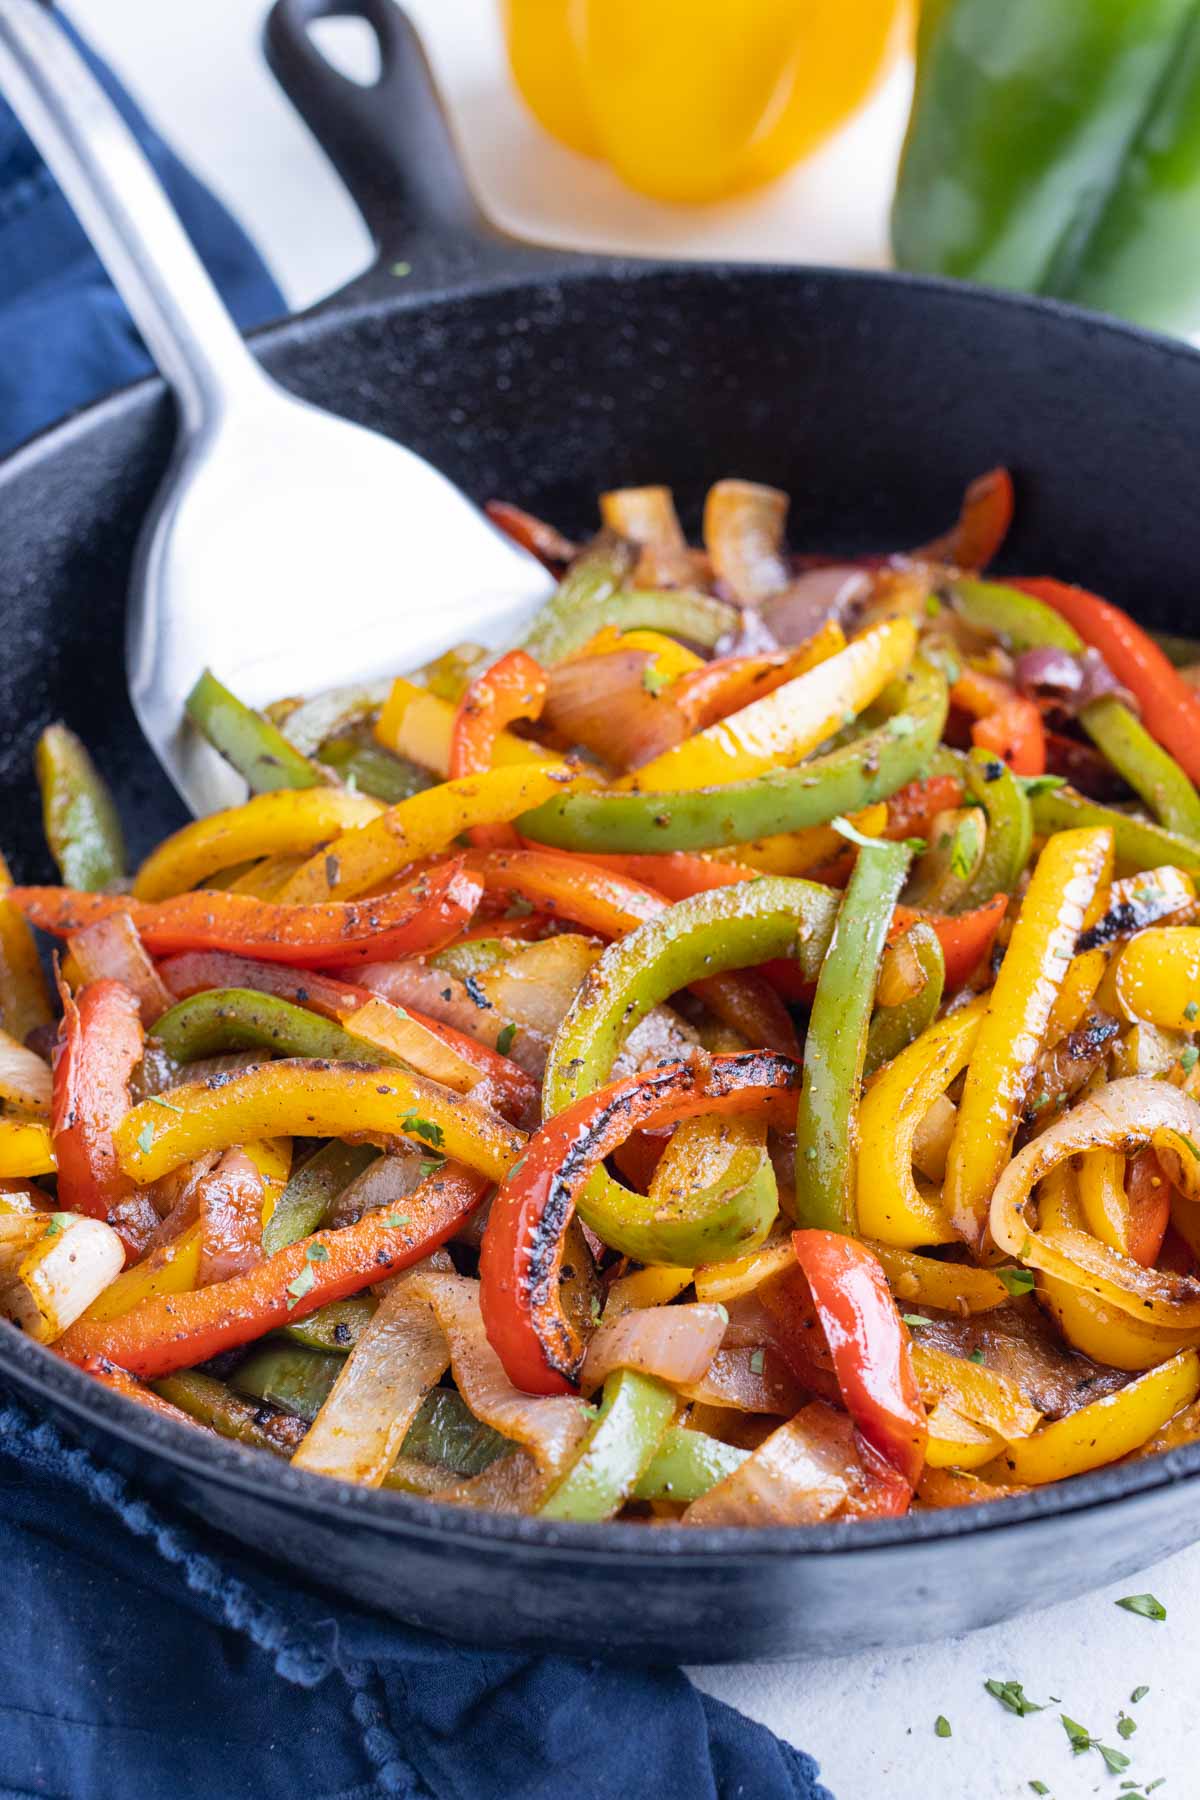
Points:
(694, 100)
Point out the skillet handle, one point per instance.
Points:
(391, 143)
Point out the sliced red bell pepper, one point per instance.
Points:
(122, 1383)
(911, 808)
(101, 1047)
(982, 524)
(512, 688)
(423, 915)
(1006, 723)
(1170, 708)
(195, 971)
(175, 1331)
(1149, 1194)
(869, 1344)
(574, 887)
(676, 874)
(540, 1346)
(966, 938)
(533, 534)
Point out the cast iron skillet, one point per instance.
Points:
(871, 399)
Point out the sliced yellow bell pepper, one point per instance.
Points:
(980, 1394)
(288, 820)
(783, 727)
(950, 1287)
(272, 1157)
(425, 823)
(24, 1001)
(956, 1442)
(1157, 977)
(313, 1099)
(1098, 1330)
(417, 724)
(891, 1206)
(722, 1282)
(1084, 975)
(795, 852)
(1101, 1185)
(655, 1285)
(172, 1269)
(26, 1149)
(1103, 1431)
(672, 659)
(266, 879)
(1068, 872)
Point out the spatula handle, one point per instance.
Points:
(120, 203)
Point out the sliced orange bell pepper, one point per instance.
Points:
(424, 915)
(102, 1045)
(175, 1331)
(512, 688)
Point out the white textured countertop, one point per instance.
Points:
(868, 1719)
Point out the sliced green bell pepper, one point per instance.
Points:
(1137, 843)
(78, 814)
(310, 1193)
(686, 1464)
(894, 1028)
(339, 1324)
(204, 1398)
(257, 749)
(366, 766)
(836, 1043)
(617, 1450)
(726, 928)
(870, 767)
(447, 1434)
(992, 785)
(1025, 623)
(1054, 146)
(288, 1376)
(220, 1019)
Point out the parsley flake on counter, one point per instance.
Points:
(1082, 1740)
(1125, 1725)
(1145, 1605)
(941, 1726)
(1139, 1693)
(1039, 1787)
(1012, 1695)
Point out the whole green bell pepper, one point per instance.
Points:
(1054, 146)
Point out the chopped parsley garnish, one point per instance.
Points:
(1012, 1695)
(1017, 1281)
(58, 1224)
(1145, 1605)
(423, 1128)
(430, 1166)
(654, 680)
(1188, 1058)
(167, 1105)
(397, 1219)
(902, 725)
(302, 1285)
(941, 1726)
(1033, 785)
(933, 606)
(1082, 1740)
(1191, 1011)
(316, 1253)
(145, 1139)
(505, 1039)
(757, 1359)
(594, 1308)
(976, 1355)
(914, 1319)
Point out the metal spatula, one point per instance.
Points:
(288, 550)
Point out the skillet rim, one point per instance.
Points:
(397, 1514)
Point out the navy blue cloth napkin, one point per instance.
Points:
(142, 1657)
